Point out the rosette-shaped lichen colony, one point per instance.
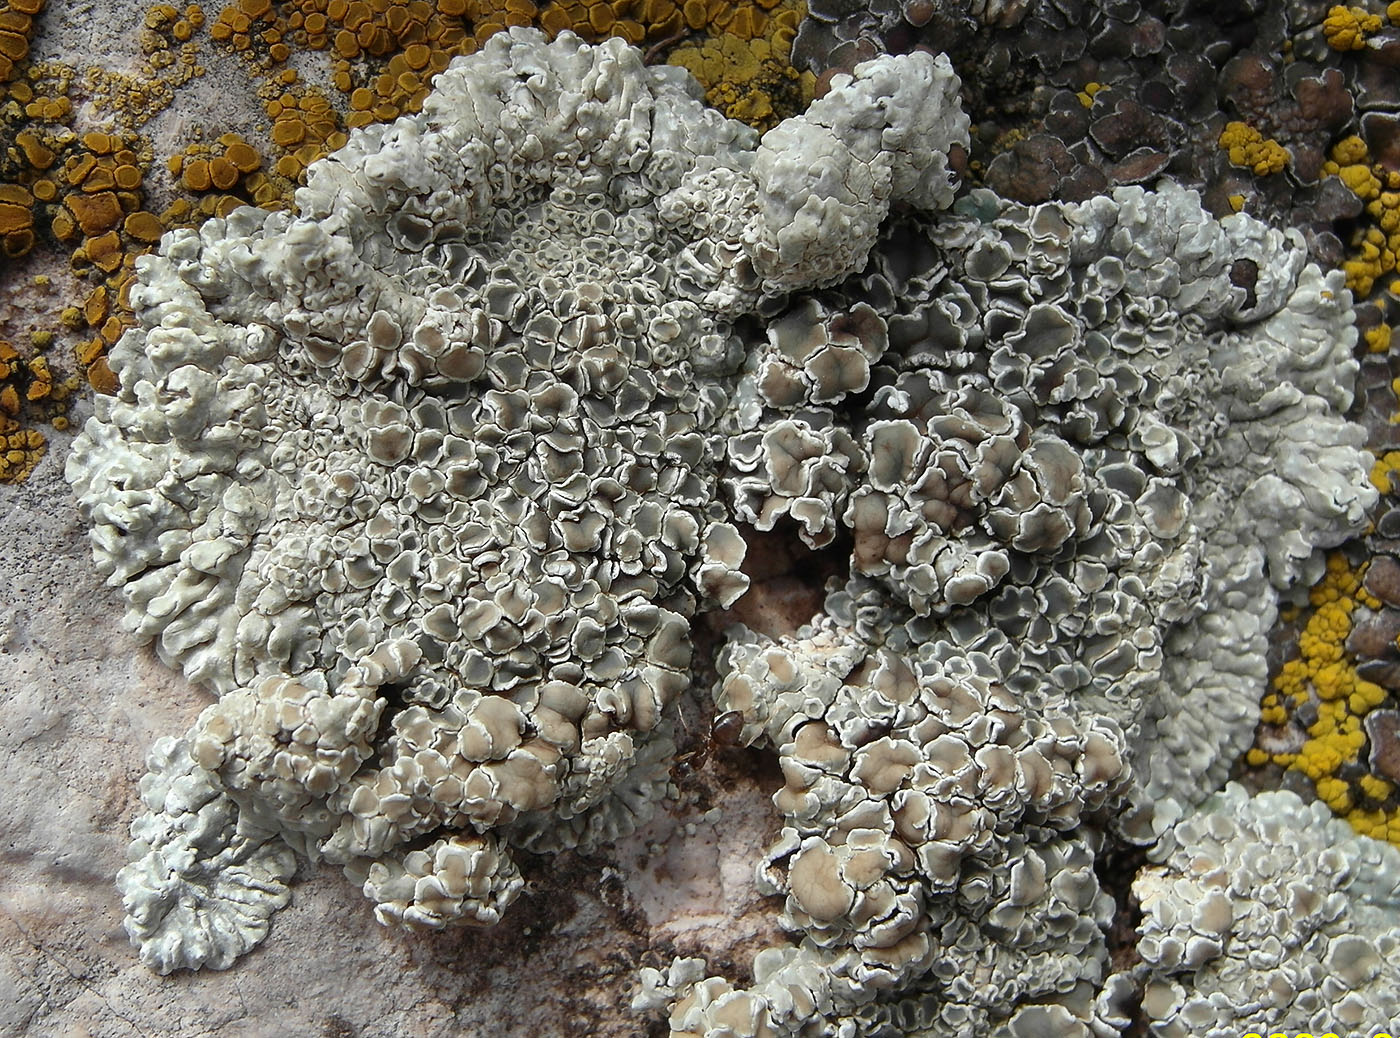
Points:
(420, 481)
(426, 480)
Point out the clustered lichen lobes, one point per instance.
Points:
(1067, 494)
(934, 856)
(384, 53)
(1376, 239)
(448, 437)
(16, 27)
(1266, 913)
(84, 191)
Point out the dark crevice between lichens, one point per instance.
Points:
(788, 587)
(1116, 868)
(396, 699)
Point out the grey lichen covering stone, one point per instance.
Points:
(202, 882)
(421, 479)
(1097, 439)
(935, 855)
(426, 481)
(1266, 914)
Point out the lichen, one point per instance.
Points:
(531, 455)
(1346, 27)
(1376, 240)
(384, 57)
(746, 69)
(1247, 147)
(1265, 914)
(426, 475)
(1315, 713)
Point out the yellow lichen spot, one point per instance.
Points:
(196, 175)
(20, 449)
(1323, 678)
(1376, 241)
(1361, 181)
(1346, 28)
(127, 177)
(1380, 477)
(1378, 338)
(223, 173)
(1236, 203)
(1335, 793)
(1249, 148)
(1375, 787)
(104, 251)
(36, 153)
(1349, 151)
(101, 378)
(143, 226)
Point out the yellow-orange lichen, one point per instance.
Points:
(385, 52)
(1376, 242)
(222, 177)
(16, 28)
(87, 190)
(1346, 28)
(1320, 693)
(30, 392)
(171, 59)
(751, 78)
(1249, 148)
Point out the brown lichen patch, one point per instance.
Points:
(240, 25)
(16, 219)
(20, 448)
(1383, 731)
(106, 312)
(384, 53)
